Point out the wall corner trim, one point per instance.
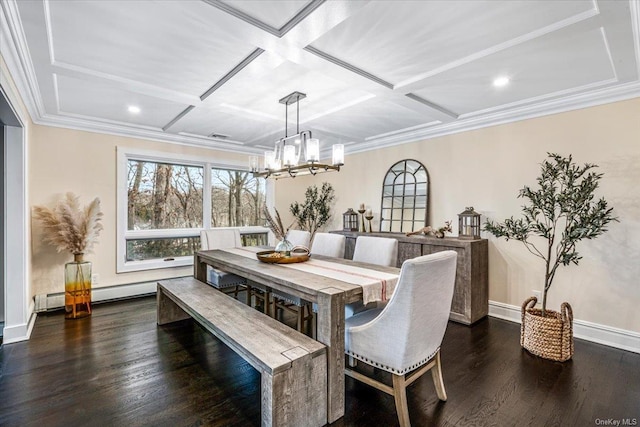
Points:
(588, 331)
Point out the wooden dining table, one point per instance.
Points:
(329, 293)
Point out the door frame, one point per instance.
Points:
(19, 315)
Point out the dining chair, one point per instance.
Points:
(376, 250)
(299, 238)
(283, 301)
(223, 238)
(328, 244)
(372, 250)
(405, 335)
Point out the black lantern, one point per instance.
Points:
(350, 220)
(469, 224)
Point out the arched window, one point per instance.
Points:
(405, 197)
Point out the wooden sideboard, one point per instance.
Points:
(471, 294)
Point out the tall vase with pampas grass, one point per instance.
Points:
(70, 227)
(275, 225)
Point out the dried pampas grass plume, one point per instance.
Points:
(69, 227)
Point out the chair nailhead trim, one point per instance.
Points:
(389, 369)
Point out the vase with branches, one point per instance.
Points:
(277, 228)
(315, 211)
(561, 211)
(70, 227)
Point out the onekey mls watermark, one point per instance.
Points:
(617, 422)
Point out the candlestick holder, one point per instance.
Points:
(361, 212)
(369, 218)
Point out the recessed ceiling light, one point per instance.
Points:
(133, 109)
(501, 81)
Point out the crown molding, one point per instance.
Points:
(146, 133)
(545, 108)
(15, 53)
(594, 98)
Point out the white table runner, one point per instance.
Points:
(376, 285)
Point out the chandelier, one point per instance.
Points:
(297, 154)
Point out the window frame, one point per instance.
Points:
(124, 154)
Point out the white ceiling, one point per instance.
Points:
(375, 73)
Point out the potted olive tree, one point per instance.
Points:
(562, 211)
(315, 212)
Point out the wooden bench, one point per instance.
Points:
(293, 367)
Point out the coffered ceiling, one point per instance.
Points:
(376, 73)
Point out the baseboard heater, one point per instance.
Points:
(55, 301)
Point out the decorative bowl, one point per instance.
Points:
(273, 257)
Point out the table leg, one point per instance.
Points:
(199, 268)
(331, 334)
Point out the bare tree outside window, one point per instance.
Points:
(165, 196)
(236, 197)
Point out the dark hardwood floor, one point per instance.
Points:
(118, 368)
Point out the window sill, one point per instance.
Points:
(153, 264)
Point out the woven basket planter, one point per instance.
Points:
(551, 336)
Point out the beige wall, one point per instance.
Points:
(487, 167)
(62, 160)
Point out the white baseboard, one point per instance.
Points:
(56, 300)
(20, 332)
(601, 334)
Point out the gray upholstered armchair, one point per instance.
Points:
(404, 336)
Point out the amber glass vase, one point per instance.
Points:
(77, 288)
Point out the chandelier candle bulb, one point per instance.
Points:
(313, 150)
(269, 160)
(338, 154)
(254, 163)
(289, 155)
